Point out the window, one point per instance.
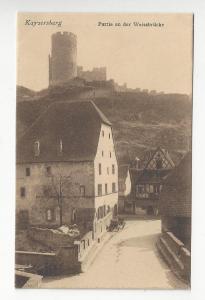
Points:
(106, 189)
(28, 172)
(140, 189)
(48, 171)
(113, 187)
(100, 169)
(108, 171)
(147, 188)
(110, 154)
(102, 153)
(109, 135)
(50, 216)
(74, 216)
(37, 148)
(23, 192)
(113, 169)
(156, 188)
(82, 190)
(99, 189)
(104, 210)
(103, 133)
(60, 147)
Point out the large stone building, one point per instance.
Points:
(63, 58)
(67, 170)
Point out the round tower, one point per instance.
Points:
(62, 61)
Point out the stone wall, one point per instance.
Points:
(175, 254)
(180, 226)
(64, 261)
(49, 237)
(27, 280)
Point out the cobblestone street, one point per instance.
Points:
(128, 260)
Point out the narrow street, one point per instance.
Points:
(128, 260)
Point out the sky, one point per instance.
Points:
(154, 58)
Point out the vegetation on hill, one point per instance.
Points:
(140, 120)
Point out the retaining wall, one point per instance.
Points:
(175, 254)
(50, 238)
(64, 261)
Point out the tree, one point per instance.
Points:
(59, 187)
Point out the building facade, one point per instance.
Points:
(147, 180)
(67, 170)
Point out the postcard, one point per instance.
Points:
(104, 150)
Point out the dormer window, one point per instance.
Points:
(37, 148)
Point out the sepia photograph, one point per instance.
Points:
(104, 151)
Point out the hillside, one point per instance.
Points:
(140, 120)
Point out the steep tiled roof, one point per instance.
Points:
(76, 124)
(175, 199)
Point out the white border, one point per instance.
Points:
(8, 11)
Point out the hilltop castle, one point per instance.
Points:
(63, 61)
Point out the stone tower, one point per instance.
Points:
(62, 61)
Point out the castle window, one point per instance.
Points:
(23, 192)
(37, 148)
(100, 169)
(113, 169)
(82, 190)
(110, 154)
(109, 135)
(99, 189)
(103, 133)
(102, 153)
(113, 187)
(106, 191)
(28, 172)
